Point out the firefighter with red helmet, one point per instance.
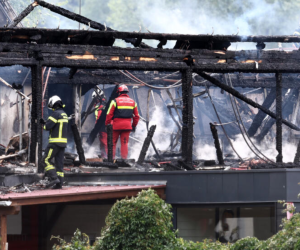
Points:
(99, 107)
(124, 113)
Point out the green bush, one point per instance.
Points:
(144, 222)
(79, 241)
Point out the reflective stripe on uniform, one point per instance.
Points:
(49, 168)
(48, 165)
(110, 106)
(96, 111)
(58, 140)
(61, 174)
(45, 127)
(61, 125)
(52, 119)
(125, 107)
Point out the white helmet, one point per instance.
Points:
(54, 99)
(97, 93)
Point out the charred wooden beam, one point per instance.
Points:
(244, 98)
(102, 164)
(146, 144)
(81, 19)
(185, 165)
(78, 143)
(109, 143)
(214, 132)
(132, 37)
(257, 121)
(279, 117)
(22, 15)
(36, 115)
(187, 116)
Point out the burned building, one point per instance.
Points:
(204, 95)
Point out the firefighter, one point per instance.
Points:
(122, 111)
(100, 106)
(57, 124)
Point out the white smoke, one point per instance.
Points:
(164, 127)
(268, 149)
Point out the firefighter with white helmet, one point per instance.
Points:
(99, 107)
(57, 124)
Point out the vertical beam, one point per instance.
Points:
(214, 132)
(3, 222)
(36, 115)
(187, 116)
(279, 116)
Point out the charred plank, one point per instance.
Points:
(214, 132)
(187, 116)
(22, 15)
(279, 117)
(146, 144)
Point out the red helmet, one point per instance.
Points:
(122, 88)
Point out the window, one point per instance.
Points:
(227, 224)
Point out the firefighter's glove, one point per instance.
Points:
(42, 121)
(133, 129)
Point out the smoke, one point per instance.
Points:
(164, 127)
(267, 148)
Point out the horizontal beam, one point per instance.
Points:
(112, 34)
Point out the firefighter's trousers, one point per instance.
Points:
(124, 136)
(103, 144)
(54, 170)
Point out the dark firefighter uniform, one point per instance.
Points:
(57, 124)
(102, 134)
(122, 111)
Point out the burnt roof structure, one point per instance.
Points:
(193, 54)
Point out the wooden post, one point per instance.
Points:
(36, 115)
(3, 221)
(279, 116)
(187, 116)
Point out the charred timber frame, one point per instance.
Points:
(16, 48)
(187, 116)
(279, 117)
(36, 115)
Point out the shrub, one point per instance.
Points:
(143, 222)
(79, 241)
